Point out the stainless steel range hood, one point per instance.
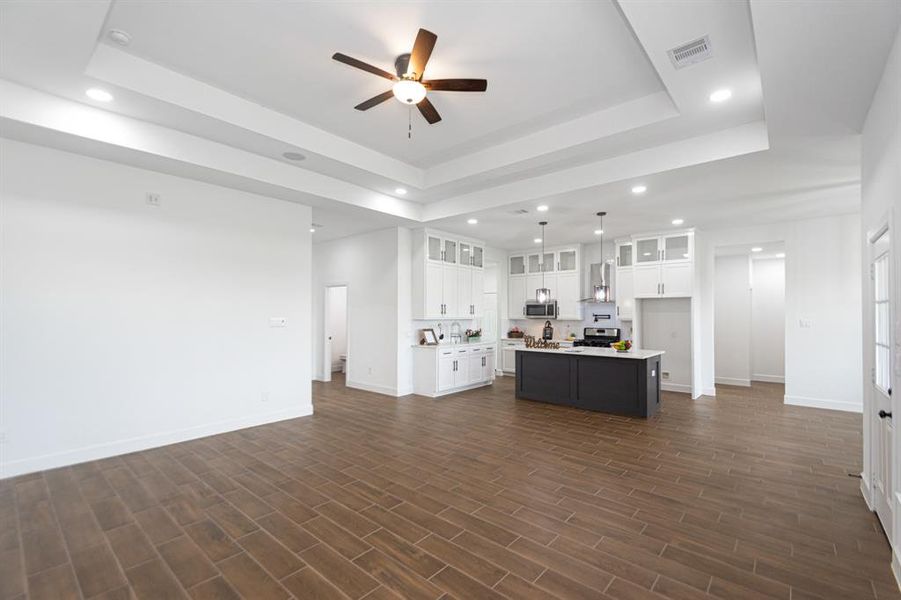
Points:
(598, 277)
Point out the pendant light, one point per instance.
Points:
(602, 291)
(542, 294)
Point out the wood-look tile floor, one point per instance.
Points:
(475, 495)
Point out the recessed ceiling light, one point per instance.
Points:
(99, 95)
(473, 221)
(678, 221)
(756, 249)
(312, 230)
(780, 255)
(537, 240)
(599, 232)
(721, 95)
(293, 155)
(120, 37)
(639, 189)
(401, 191)
(542, 208)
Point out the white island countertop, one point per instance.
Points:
(634, 353)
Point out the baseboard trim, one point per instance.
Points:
(896, 567)
(709, 392)
(733, 381)
(136, 444)
(823, 403)
(768, 378)
(865, 490)
(371, 387)
(676, 387)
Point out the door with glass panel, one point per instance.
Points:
(881, 379)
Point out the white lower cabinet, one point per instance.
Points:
(439, 370)
(508, 354)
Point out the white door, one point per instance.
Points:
(434, 296)
(516, 297)
(646, 280)
(567, 296)
(451, 285)
(446, 370)
(881, 380)
(675, 280)
(625, 294)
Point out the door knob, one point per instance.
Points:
(883, 414)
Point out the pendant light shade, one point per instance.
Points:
(542, 294)
(602, 291)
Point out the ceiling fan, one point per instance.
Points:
(409, 86)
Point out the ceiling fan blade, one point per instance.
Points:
(457, 85)
(375, 100)
(428, 111)
(347, 60)
(422, 50)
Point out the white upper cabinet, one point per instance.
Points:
(624, 256)
(647, 250)
(568, 260)
(560, 270)
(664, 266)
(517, 265)
(448, 277)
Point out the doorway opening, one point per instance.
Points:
(749, 314)
(335, 358)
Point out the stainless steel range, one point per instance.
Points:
(598, 337)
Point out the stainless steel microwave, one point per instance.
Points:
(540, 310)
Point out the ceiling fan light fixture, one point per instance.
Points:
(409, 91)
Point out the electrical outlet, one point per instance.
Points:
(805, 323)
(278, 322)
(664, 374)
(152, 199)
(264, 396)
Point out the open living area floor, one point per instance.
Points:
(474, 495)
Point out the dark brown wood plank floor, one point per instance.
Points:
(476, 495)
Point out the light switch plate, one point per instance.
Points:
(152, 199)
(278, 322)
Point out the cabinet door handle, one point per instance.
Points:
(662, 289)
(617, 311)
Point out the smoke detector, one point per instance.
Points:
(120, 37)
(691, 53)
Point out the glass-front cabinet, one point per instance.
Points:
(517, 265)
(433, 247)
(534, 261)
(478, 256)
(647, 250)
(450, 251)
(465, 253)
(676, 248)
(567, 261)
(624, 254)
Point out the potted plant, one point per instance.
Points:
(473, 335)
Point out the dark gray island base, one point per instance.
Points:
(591, 378)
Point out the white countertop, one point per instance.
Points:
(634, 353)
(457, 345)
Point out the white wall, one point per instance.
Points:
(732, 320)
(881, 204)
(368, 265)
(666, 325)
(337, 326)
(767, 335)
(127, 326)
(822, 304)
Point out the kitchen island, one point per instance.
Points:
(600, 379)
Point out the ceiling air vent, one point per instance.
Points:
(520, 211)
(690, 53)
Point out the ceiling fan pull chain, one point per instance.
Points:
(410, 123)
